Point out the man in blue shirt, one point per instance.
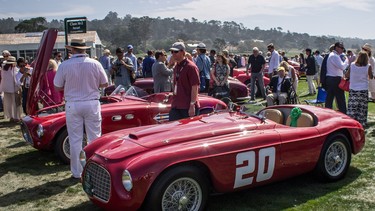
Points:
(132, 57)
(204, 64)
(106, 63)
(147, 65)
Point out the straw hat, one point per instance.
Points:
(367, 47)
(106, 51)
(78, 44)
(10, 60)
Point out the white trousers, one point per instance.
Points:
(311, 84)
(79, 114)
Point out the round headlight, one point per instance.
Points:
(82, 158)
(127, 181)
(39, 131)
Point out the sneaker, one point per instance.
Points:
(251, 102)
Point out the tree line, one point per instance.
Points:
(159, 33)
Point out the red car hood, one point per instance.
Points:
(40, 66)
(115, 146)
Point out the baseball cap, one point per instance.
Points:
(130, 47)
(178, 46)
(255, 49)
(201, 46)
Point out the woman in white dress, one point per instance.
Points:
(371, 85)
(8, 85)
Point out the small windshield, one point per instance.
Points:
(131, 91)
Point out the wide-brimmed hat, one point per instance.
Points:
(10, 60)
(78, 44)
(367, 47)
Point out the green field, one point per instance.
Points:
(34, 180)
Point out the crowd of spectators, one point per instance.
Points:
(214, 68)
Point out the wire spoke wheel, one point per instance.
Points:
(182, 194)
(66, 145)
(336, 158)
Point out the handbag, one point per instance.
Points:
(18, 97)
(220, 92)
(344, 84)
(132, 76)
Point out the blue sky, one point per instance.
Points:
(345, 18)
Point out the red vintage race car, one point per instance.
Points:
(47, 130)
(238, 91)
(174, 166)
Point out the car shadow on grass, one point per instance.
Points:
(7, 124)
(34, 163)
(17, 145)
(86, 206)
(46, 190)
(281, 195)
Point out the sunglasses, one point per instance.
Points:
(174, 52)
(364, 49)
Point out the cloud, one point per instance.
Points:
(226, 9)
(65, 12)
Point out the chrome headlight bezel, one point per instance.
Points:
(127, 180)
(40, 131)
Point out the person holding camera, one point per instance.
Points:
(122, 68)
(23, 80)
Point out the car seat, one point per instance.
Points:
(274, 115)
(305, 120)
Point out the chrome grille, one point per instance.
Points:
(26, 133)
(97, 181)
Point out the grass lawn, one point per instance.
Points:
(34, 180)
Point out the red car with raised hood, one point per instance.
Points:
(45, 129)
(174, 166)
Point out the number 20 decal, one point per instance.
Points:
(250, 158)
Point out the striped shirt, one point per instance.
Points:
(81, 77)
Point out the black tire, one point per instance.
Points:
(62, 147)
(334, 159)
(194, 196)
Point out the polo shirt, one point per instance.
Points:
(185, 76)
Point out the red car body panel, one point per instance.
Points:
(247, 79)
(117, 114)
(238, 90)
(214, 142)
